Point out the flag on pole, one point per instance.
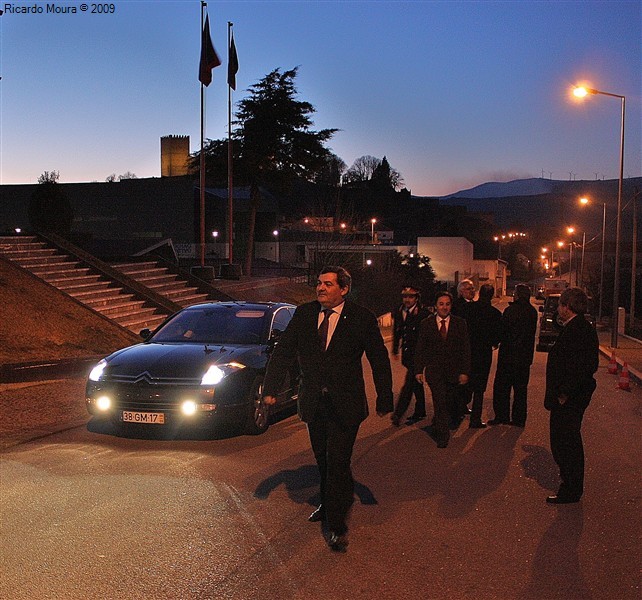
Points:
(209, 58)
(232, 65)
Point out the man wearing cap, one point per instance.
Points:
(406, 320)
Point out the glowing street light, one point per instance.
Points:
(582, 92)
(275, 233)
(586, 201)
(372, 224)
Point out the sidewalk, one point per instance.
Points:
(629, 350)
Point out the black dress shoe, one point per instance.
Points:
(476, 425)
(338, 542)
(562, 500)
(317, 515)
(497, 422)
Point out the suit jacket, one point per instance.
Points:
(519, 324)
(484, 329)
(339, 368)
(446, 359)
(406, 331)
(571, 363)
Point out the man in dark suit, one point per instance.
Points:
(461, 307)
(442, 359)
(405, 331)
(328, 337)
(519, 323)
(484, 329)
(572, 361)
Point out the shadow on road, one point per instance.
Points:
(298, 482)
(556, 563)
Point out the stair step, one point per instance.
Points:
(59, 269)
(141, 267)
(19, 254)
(120, 310)
(36, 262)
(81, 282)
(189, 300)
(108, 298)
(165, 287)
(150, 280)
(142, 318)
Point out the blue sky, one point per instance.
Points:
(453, 93)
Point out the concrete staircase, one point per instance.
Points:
(95, 287)
(160, 279)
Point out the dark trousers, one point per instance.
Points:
(464, 397)
(445, 399)
(411, 386)
(332, 443)
(509, 377)
(568, 450)
(478, 382)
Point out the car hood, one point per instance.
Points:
(179, 360)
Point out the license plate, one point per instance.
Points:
(129, 416)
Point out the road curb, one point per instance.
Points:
(36, 371)
(633, 373)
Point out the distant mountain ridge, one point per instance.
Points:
(541, 202)
(518, 187)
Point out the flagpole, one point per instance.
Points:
(202, 163)
(230, 191)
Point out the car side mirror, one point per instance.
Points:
(145, 333)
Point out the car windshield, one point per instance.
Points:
(214, 325)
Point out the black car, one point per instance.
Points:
(203, 366)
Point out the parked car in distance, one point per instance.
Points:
(550, 323)
(203, 366)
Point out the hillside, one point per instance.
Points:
(41, 323)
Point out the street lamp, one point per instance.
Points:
(499, 247)
(571, 231)
(582, 92)
(275, 233)
(372, 224)
(585, 201)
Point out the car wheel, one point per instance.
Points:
(258, 413)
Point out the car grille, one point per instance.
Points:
(157, 396)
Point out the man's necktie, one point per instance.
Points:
(323, 328)
(442, 330)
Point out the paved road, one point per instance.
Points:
(88, 514)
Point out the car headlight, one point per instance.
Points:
(216, 373)
(97, 372)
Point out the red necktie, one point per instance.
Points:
(323, 328)
(442, 330)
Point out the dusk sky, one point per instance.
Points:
(453, 93)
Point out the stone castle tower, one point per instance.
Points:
(174, 155)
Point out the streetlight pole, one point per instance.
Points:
(599, 312)
(581, 92)
(372, 224)
(582, 263)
